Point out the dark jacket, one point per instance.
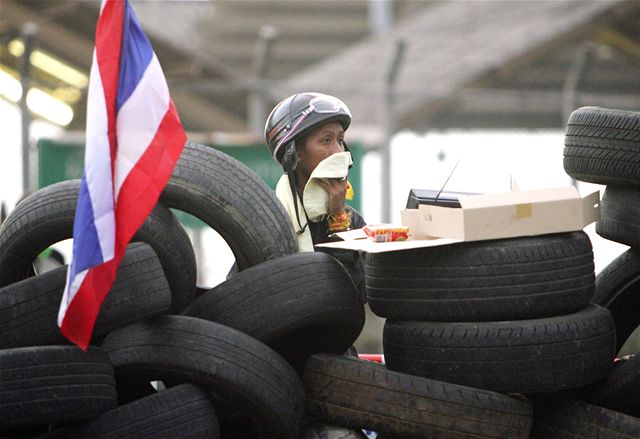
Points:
(353, 261)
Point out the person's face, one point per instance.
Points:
(322, 142)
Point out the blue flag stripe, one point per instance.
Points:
(135, 56)
(87, 252)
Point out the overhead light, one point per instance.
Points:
(49, 107)
(51, 65)
(69, 95)
(38, 101)
(10, 87)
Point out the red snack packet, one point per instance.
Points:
(386, 232)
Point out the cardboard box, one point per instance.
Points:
(367, 245)
(483, 217)
(505, 215)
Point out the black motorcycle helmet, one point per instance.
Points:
(294, 117)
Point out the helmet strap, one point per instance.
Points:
(289, 164)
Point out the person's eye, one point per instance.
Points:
(326, 141)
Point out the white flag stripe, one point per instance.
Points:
(136, 128)
(69, 293)
(98, 164)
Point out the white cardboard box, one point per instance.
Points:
(487, 217)
(505, 215)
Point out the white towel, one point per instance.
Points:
(316, 199)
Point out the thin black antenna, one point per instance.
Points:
(447, 180)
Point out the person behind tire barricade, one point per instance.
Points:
(305, 134)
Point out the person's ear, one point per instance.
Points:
(346, 149)
(290, 159)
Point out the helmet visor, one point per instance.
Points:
(328, 104)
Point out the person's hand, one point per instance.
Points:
(336, 188)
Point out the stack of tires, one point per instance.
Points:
(511, 315)
(166, 359)
(602, 146)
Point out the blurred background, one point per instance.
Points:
(484, 85)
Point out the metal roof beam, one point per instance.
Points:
(500, 101)
(71, 46)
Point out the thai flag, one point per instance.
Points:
(133, 140)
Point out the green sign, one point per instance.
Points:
(60, 160)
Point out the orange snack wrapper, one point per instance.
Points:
(386, 232)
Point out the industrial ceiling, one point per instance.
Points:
(465, 64)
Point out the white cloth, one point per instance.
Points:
(316, 199)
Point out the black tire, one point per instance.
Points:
(618, 290)
(29, 308)
(234, 201)
(46, 217)
(362, 394)
(619, 391)
(603, 146)
(619, 213)
(520, 356)
(183, 411)
(131, 389)
(239, 370)
(54, 384)
(506, 279)
(561, 418)
(324, 431)
(299, 305)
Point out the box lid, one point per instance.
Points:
(512, 198)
